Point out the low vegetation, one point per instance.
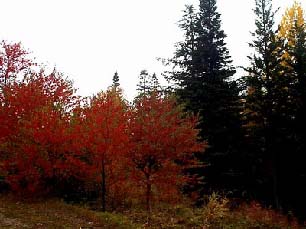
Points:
(54, 213)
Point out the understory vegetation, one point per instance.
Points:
(55, 213)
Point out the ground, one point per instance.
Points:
(54, 214)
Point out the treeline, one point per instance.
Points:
(254, 124)
(53, 142)
(252, 128)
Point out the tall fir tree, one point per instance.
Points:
(202, 72)
(266, 105)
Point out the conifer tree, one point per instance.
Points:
(148, 83)
(116, 82)
(202, 72)
(292, 31)
(265, 102)
(154, 84)
(142, 86)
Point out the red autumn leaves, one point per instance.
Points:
(163, 141)
(36, 113)
(49, 135)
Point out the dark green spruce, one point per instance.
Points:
(203, 73)
(267, 107)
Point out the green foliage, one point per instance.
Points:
(262, 99)
(202, 74)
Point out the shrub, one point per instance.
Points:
(215, 210)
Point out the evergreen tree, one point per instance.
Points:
(202, 72)
(142, 86)
(116, 82)
(154, 84)
(266, 105)
(148, 83)
(293, 33)
(275, 108)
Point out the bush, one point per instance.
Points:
(217, 214)
(215, 210)
(267, 218)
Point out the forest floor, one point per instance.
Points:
(54, 213)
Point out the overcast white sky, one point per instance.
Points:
(88, 40)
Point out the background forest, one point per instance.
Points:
(208, 139)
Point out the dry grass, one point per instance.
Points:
(55, 214)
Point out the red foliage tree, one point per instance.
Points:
(107, 137)
(14, 61)
(163, 140)
(38, 148)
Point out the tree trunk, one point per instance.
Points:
(148, 200)
(272, 150)
(103, 187)
(275, 181)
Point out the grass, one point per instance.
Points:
(55, 214)
(215, 214)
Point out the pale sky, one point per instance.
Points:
(88, 40)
